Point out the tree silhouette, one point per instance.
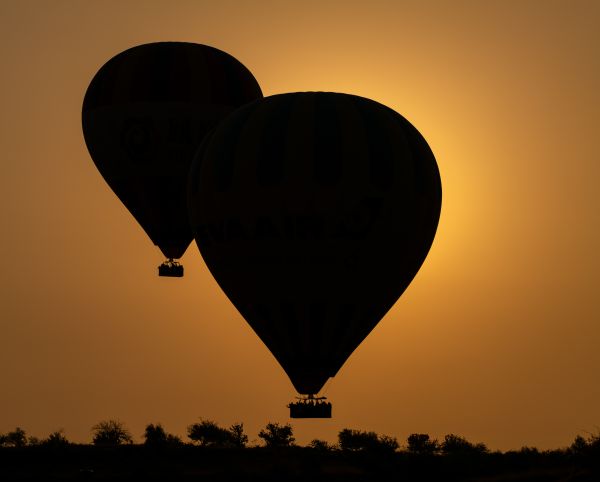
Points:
(419, 443)
(111, 432)
(275, 435)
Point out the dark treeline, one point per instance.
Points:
(212, 452)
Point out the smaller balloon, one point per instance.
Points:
(144, 114)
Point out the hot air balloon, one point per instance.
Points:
(144, 114)
(314, 211)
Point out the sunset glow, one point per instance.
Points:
(497, 337)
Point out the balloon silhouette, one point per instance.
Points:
(144, 114)
(314, 211)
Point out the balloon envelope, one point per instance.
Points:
(145, 113)
(314, 211)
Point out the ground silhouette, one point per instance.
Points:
(216, 453)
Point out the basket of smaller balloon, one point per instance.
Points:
(171, 269)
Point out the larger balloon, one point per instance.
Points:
(314, 211)
(144, 115)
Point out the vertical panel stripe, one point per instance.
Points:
(328, 162)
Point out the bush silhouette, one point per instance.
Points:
(155, 436)
(321, 445)
(33, 440)
(585, 447)
(420, 443)
(16, 438)
(456, 445)
(579, 446)
(357, 440)
(56, 439)
(207, 433)
(388, 443)
(111, 432)
(238, 438)
(275, 435)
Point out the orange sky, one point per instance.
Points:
(497, 337)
